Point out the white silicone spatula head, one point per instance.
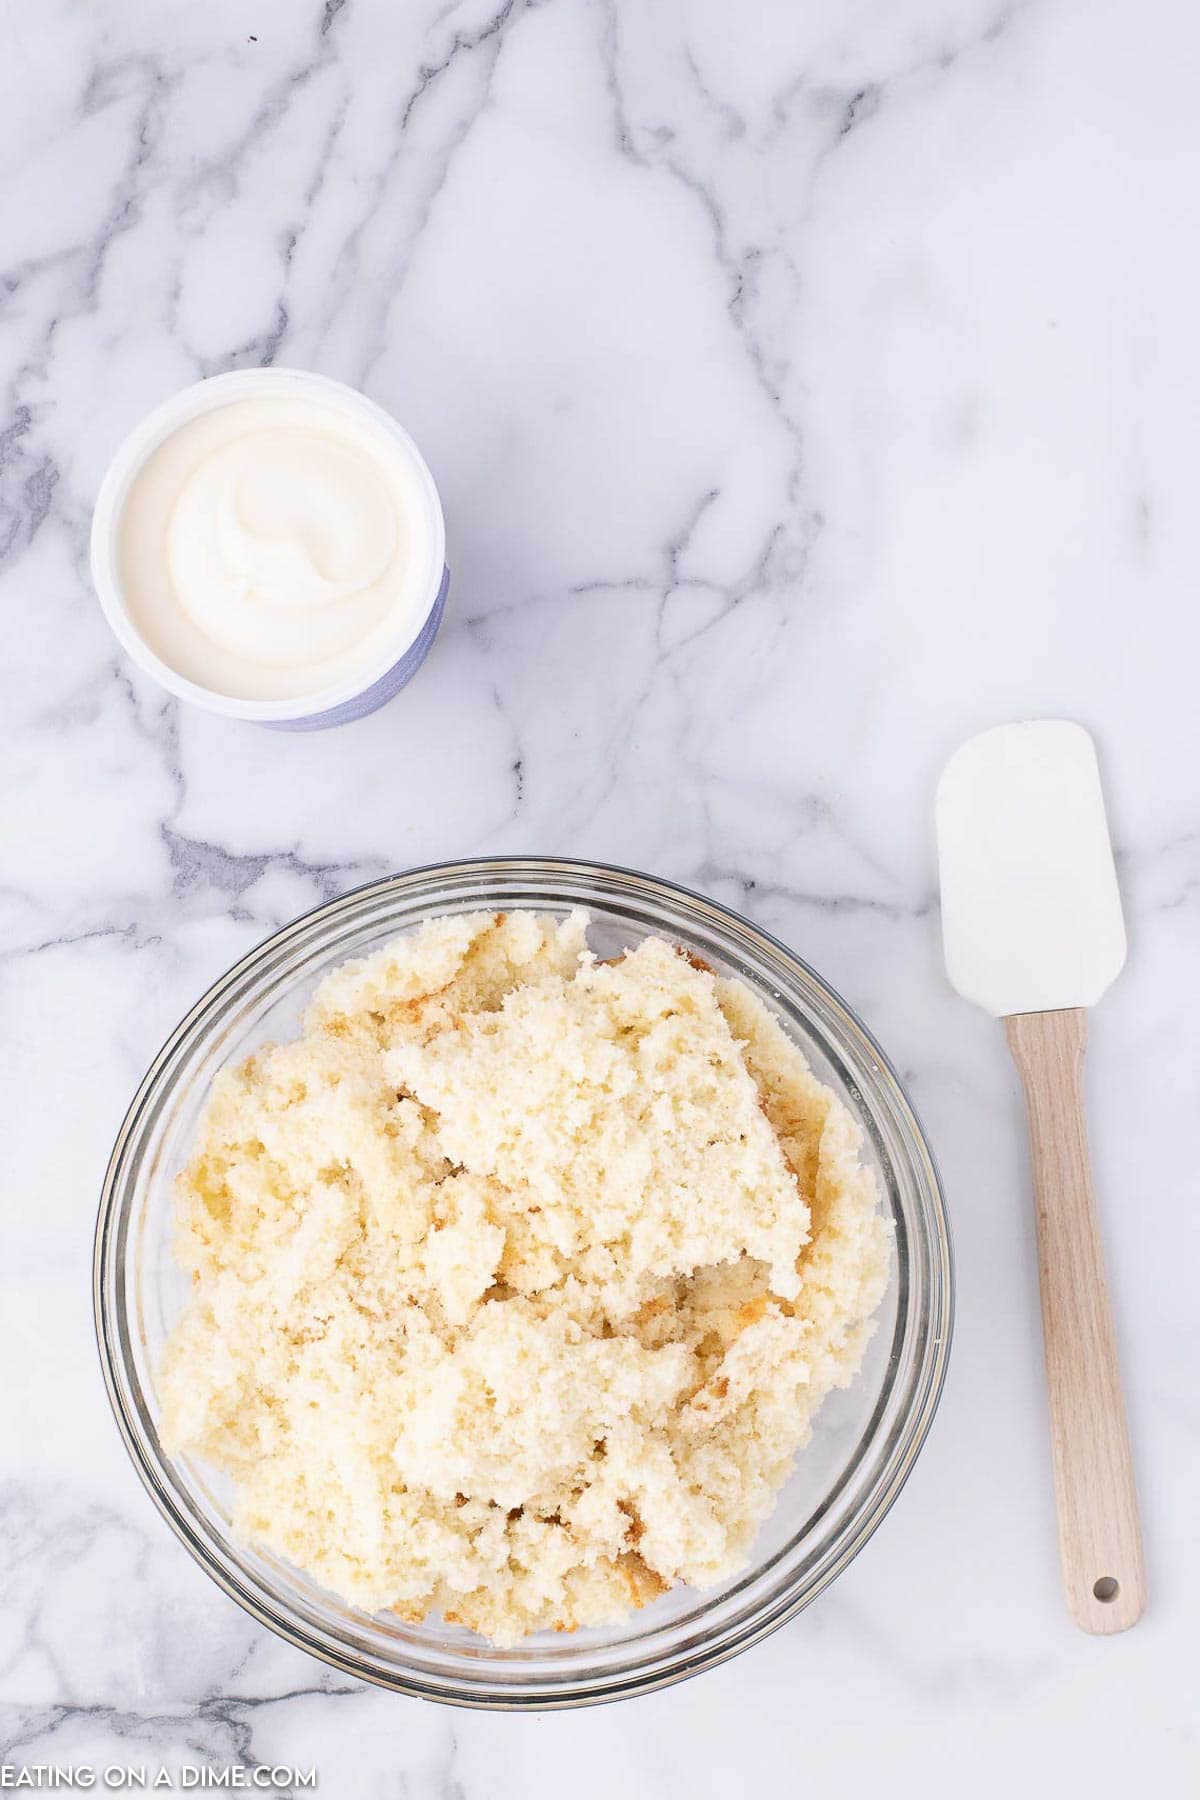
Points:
(1031, 914)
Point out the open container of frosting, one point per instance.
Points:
(269, 544)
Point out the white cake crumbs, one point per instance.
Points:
(518, 1277)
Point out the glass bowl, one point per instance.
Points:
(865, 1438)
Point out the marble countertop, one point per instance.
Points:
(808, 387)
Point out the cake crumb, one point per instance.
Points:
(518, 1277)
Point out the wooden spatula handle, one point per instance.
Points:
(1099, 1535)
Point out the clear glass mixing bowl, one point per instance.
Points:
(865, 1439)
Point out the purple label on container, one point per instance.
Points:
(388, 684)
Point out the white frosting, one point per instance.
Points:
(274, 546)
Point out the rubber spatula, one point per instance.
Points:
(1032, 925)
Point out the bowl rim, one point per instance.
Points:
(886, 1486)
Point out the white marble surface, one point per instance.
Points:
(809, 385)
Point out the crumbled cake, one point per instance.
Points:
(518, 1277)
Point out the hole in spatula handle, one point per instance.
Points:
(1107, 1588)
